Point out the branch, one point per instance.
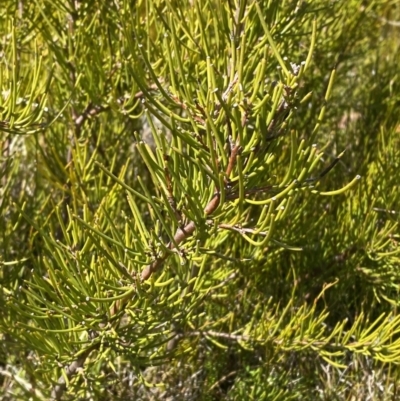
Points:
(180, 235)
(70, 370)
(242, 230)
(90, 111)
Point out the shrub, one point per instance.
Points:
(182, 213)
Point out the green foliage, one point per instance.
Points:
(181, 209)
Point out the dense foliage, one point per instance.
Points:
(199, 199)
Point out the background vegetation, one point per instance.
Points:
(199, 200)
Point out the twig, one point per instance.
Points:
(90, 111)
(222, 379)
(180, 235)
(70, 370)
(183, 106)
(232, 160)
(378, 209)
(241, 230)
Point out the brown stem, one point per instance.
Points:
(90, 111)
(241, 230)
(180, 235)
(70, 370)
(232, 160)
